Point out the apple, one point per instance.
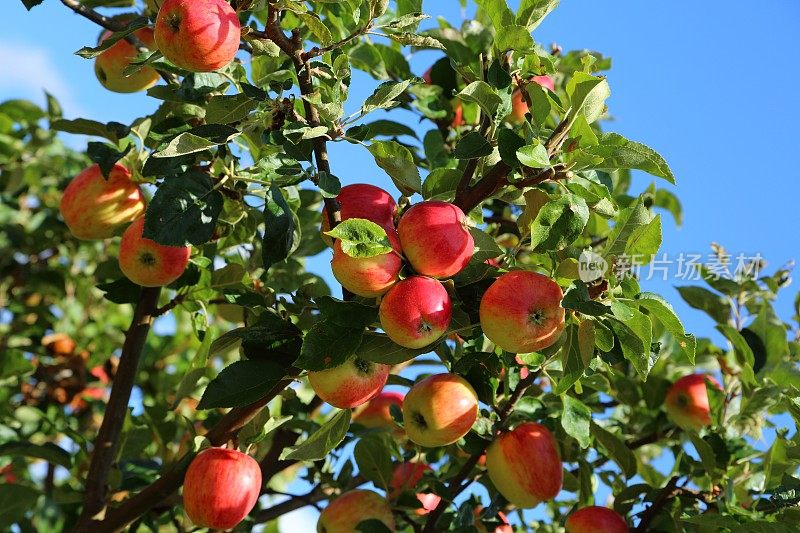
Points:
(221, 487)
(596, 519)
(521, 312)
(344, 513)
(59, 345)
(416, 312)
(147, 263)
(435, 238)
(362, 200)
(439, 410)
(687, 401)
(111, 64)
(95, 208)
(504, 526)
(519, 107)
(405, 477)
(525, 466)
(350, 384)
(368, 276)
(198, 35)
(377, 413)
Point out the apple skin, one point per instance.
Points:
(344, 513)
(111, 64)
(416, 312)
(687, 401)
(376, 414)
(362, 200)
(439, 410)
(521, 312)
(436, 239)
(147, 263)
(596, 519)
(525, 466)
(94, 208)
(198, 35)
(405, 477)
(221, 487)
(519, 107)
(368, 276)
(350, 384)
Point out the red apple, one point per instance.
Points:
(458, 110)
(350, 384)
(687, 401)
(147, 263)
(368, 276)
(344, 513)
(362, 200)
(198, 35)
(377, 413)
(596, 519)
(95, 208)
(519, 107)
(545, 81)
(521, 312)
(111, 64)
(221, 487)
(525, 466)
(436, 239)
(406, 477)
(439, 410)
(416, 312)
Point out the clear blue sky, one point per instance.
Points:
(707, 84)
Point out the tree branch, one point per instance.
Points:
(460, 481)
(105, 444)
(318, 51)
(89, 13)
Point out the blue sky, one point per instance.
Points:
(707, 84)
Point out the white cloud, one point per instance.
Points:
(27, 71)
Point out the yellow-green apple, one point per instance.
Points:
(406, 477)
(416, 311)
(198, 35)
(111, 64)
(221, 487)
(435, 238)
(519, 107)
(504, 526)
(362, 200)
(147, 263)
(525, 466)
(368, 276)
(377, 413)
(95, 208)
(687, 401)
(350, 384)
(439, 410)
(596, 519)
(521, 312)
(351, 508)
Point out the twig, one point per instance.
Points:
(105, 444)
(666, 494)
(89, 13)
(318, 51)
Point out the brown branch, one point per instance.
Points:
(105, 444)
(461, 480)
(666, 494)
(317, 494)
(89, 13)
(318, 51)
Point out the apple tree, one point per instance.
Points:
(490, 284)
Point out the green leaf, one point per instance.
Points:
(482, 94)
(398, 162)
(88, 52)
(184, 210)
(281, 229)
(271, 331)
(618, 152)
(361, 238)
(372, 525)
(30, 4)
(744, 354)
(113, 131)
(229, 108)
(47, 451)
(105, 156)
(327, 345)
(587, 95)
(15, 501)
(534, 156)
(576, 419)
(629, 220)
(532, 12)
(441, 183)
(571, 360)
(322, 441)
(347, 314)
(705, 452)
(378, 128)
(385, 96)
(635, 335)
(379, 348)
(616, 449)
(559, 222)
(241, 383)
(472, 146)
(644, 242)
(191, 142)
(577, 298)
(714, 305)
(663, 311)
(374, 460)
(486, 246)
(317, 27)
